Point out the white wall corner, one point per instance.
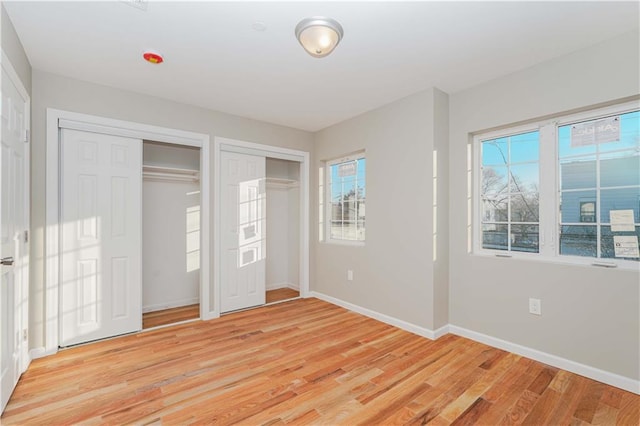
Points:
(603, 376)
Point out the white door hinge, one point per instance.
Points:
(26, 135)
(26, 235)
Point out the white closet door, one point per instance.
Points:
(243, 231)
(100, 293)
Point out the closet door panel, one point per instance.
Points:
(100, 291)
(243, 219)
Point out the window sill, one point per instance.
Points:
(624, 265)
(344, 243)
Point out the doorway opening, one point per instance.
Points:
(262, 204)
(170, 233)
(115, 215)
(283, 229)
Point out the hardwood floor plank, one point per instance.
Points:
(304, 362)
(589, 403)
(170, 316)
(280, 294)
(629, 413)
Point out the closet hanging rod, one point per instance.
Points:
(170, 174)
(281, 182)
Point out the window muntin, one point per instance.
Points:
(509, 192)
(597, 177)
(346, 196)
(579, 184)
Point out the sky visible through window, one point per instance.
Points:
(347, 184)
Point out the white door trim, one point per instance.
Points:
(25, 359)
(226, 144)
(85, 122)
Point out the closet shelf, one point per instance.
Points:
(169, 174)
(273, 182)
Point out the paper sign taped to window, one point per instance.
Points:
(347, 169)
(626, 246)
(621, 221)
(595, 132)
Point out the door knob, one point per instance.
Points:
(7, 261)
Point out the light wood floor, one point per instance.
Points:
(183, 313)
(170, 316)
(302, 362)
(281, 294)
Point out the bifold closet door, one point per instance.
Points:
(243, 219)
(101, 202)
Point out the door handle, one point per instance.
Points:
(7, 261)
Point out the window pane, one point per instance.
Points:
(620, 169)
(524, 207)
(495, 236)
(336, 211)
(524, 238)
(494, 152)
(494, 180)
(525, 147)
(495, 209)
(629, 133)
(361, 230)
(578, 173)
(571, 203)
(347, 197)
(607, 244)
(576, 240)
(524, 178)
(564, 144)
(619, 199)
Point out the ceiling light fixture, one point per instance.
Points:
(319, 35)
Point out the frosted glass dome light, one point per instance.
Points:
(319, 35)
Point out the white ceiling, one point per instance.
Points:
(214, 59)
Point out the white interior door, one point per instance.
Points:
(14, 223)
(243, 231)
(101, 206)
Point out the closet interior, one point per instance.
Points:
(283, 229)
(170, 233)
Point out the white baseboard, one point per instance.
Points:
(607, 377)
(275, 286)
(404, 325)
(603, 376)
(169, 305)
(40, 352)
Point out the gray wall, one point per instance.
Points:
(12, 47)
(53, 91)
(394, 270)
(589, 314)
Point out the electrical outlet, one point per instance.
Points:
(535, 306)
(349, 275)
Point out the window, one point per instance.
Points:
(346, 198)
(587, 211)
(552, 188)
(599, 160)
(509, 192)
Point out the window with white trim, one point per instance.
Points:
(568, 188)
(509, 192)
(346, 196)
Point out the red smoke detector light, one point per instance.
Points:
(153, 57)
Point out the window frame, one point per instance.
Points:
(549, 188)
(326, 198)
